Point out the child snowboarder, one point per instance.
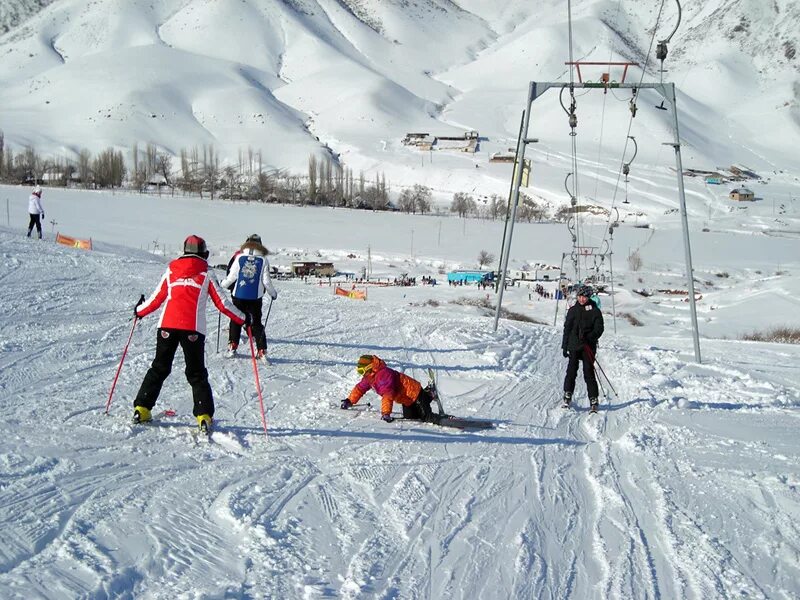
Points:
(392, 386)
(248, 279)
(184, 289)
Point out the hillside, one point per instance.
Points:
(350, 79)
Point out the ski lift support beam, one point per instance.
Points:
(605, 84)
(667, 91)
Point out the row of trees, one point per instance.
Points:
(199, 171)
(497, 207)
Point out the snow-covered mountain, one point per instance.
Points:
(350, 78)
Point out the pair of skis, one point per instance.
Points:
(198, 433)
(592, 407)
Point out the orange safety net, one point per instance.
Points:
(354, 293)
(73, 242)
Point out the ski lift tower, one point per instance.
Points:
(536, 89)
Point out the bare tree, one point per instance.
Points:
(462, 204)
(164, 167)
(406, 202)
(635, 261)
(312, 178)
(485, 258)
(84, 168)
(109, 168)
(422, 198)
(496, 207)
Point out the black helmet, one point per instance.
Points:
(194, 244)
(254, 238)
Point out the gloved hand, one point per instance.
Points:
(248, 319)
(42, 216)
(565, 352)
(135, 308)
(274, 296)
(346, 404)
(387, 417)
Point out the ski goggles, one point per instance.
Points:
(363, 369)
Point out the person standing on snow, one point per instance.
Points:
(184, 289)
(392, 386)
(583, 327)
(36, 211)
(248, 279)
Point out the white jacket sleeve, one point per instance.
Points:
(230, 277)
(267, 281)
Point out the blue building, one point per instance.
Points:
(470, 276)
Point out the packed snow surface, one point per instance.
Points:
(685, 485)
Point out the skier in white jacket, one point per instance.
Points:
(36, 211)
(249, 278)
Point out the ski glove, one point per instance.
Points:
(135, 308)
(248, 319)
(346, 404)
(387, 417)
(274, 296)
(42, 216)
(565, 352)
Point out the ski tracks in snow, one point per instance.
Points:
(640, 501)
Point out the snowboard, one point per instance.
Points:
(445, 420)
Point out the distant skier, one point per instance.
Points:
(185, 287)
(36, 211)
(583, 327)
(392, 386)
(248, 279)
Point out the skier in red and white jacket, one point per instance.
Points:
(184, 289)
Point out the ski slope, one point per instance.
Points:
(684, 485)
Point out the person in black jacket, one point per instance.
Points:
(583, 326)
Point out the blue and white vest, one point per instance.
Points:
(248, 283)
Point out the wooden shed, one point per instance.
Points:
(320, 269)
(742, 195)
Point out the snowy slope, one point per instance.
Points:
(682, 486)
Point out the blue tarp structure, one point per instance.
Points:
(470, 276)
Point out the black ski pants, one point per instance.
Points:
(254, 308)
(420, 409)
(576, 356)
(193, 345)
(35, 221)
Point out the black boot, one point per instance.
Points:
(567, 399)
(593, 405)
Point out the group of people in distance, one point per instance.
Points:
(188, 283)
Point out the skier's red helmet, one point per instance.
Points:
(196, 245)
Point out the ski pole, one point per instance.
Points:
(219, 323)
(121, 360)
(269, 308)
(258, 383)
(594, 360)
(599, 381)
